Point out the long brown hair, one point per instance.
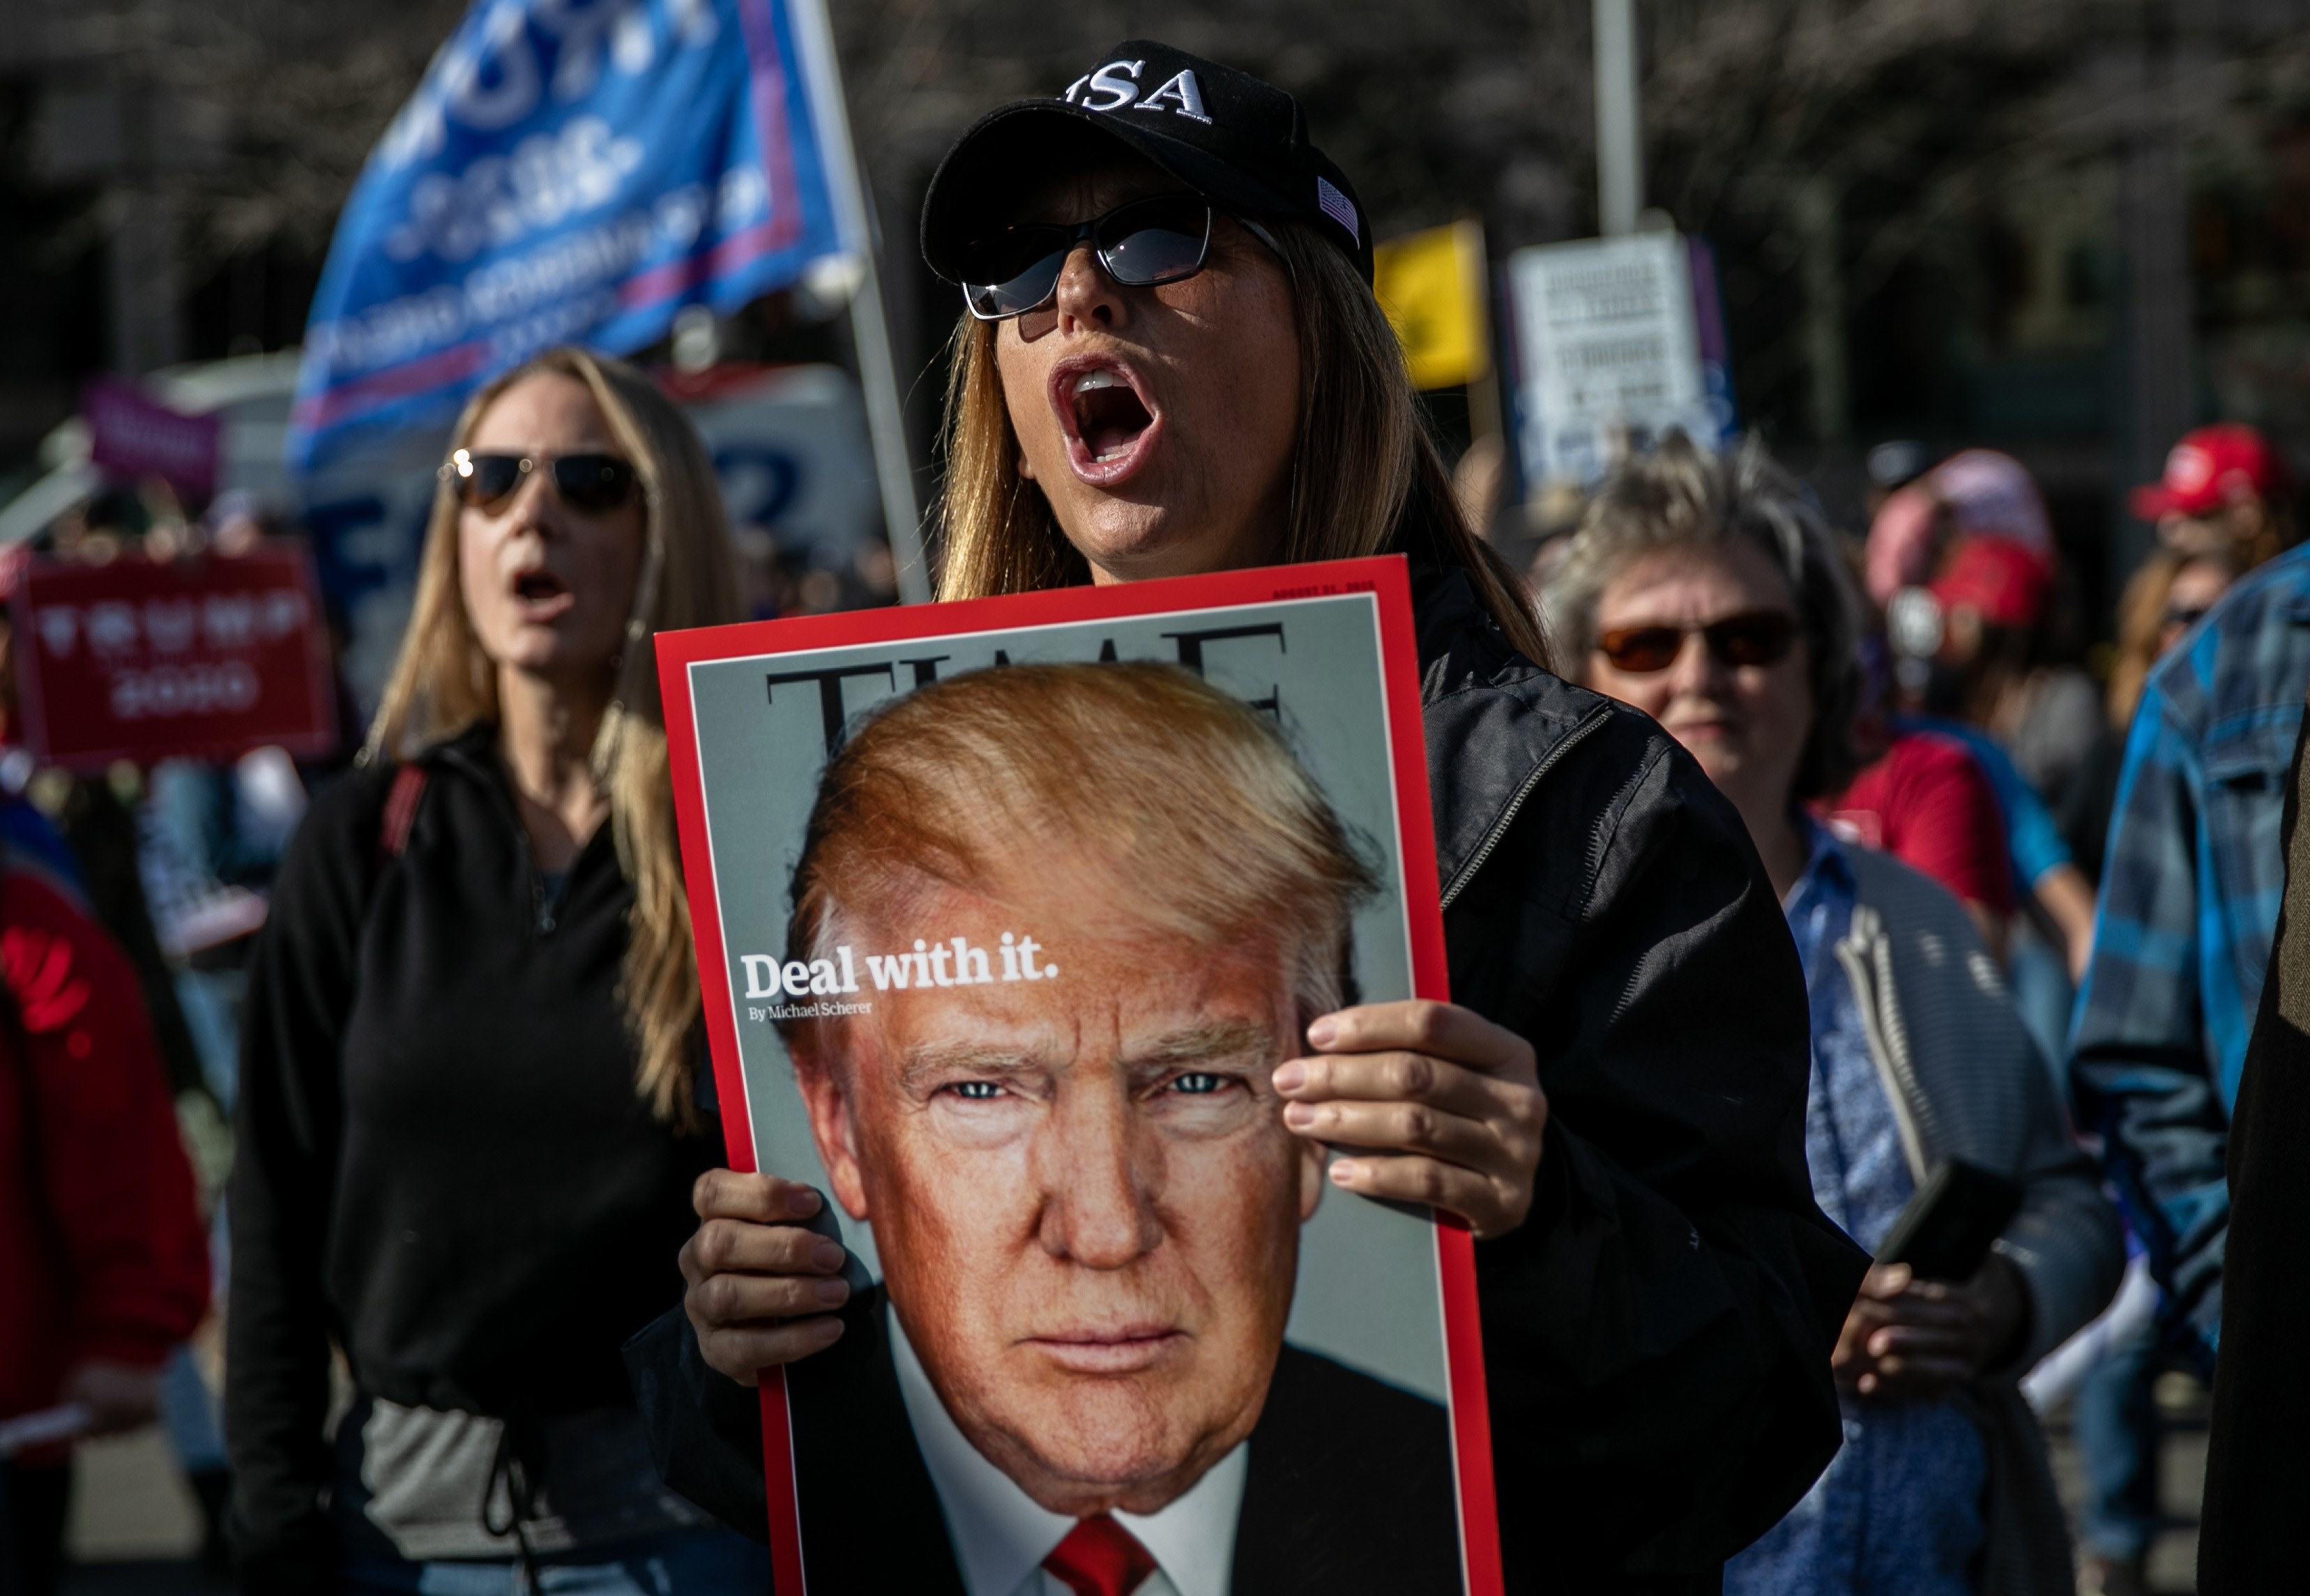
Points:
(443, 683)
(1365, 478)
(2141, 625)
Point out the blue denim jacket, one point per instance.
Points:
(2190, 895)
(1900, 1507)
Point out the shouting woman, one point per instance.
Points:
(468, 1124)
(1171, 362)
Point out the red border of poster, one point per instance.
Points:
(1387, 578)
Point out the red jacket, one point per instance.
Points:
(101, 1255)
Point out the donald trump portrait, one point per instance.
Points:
(1101, 904)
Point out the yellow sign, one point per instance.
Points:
(1432, 286)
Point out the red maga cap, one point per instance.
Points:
(2213, 466)
(2003, 581)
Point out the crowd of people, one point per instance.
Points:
(1791, 866)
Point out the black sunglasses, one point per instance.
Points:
(1755, 637)
(589, 483)
(1141, 244)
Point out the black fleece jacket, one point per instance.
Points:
(442, 1166)
(1657, 1334)
(2257, 1493)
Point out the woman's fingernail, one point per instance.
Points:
(1299, 1116)
(831, 1292)
(827, 1330)
(1320, 1033)
(1290, 1077)
(802, 1202)
(827, 1255)
(1344, 1172)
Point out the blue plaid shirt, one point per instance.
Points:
(2189, 905)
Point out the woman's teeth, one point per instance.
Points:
(1109, 415)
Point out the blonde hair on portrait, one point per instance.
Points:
(1186, 802)
(1366, 479)
(443, 683)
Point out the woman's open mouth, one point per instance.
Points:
(541, 595)
(1109, 424)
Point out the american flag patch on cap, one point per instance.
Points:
(1338, 207)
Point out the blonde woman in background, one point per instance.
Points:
(2164, 599)
(470, 1112)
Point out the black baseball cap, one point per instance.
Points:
(1241, 143)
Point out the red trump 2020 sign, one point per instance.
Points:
(146, 660)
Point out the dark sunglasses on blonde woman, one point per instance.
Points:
(1141, 245)
(1754, 638)
(591, 485)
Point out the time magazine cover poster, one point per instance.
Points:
(1006, 911)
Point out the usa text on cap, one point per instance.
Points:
(1240, 142)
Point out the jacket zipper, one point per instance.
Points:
(1862, 953)
(1548, 762)
(542, 921)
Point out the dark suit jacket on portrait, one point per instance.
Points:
(1348, 1488)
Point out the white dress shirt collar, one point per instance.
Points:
(1001, 1535)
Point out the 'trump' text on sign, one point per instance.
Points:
(148, 660)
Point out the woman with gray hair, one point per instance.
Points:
(1710, 593)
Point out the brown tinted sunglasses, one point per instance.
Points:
(1755, 637)
(593, 484)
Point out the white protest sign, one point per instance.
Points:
(1608, 351)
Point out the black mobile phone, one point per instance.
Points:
(1946, 1231)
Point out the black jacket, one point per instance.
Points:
(2257, 1495)
(1656, 1335)
(442, 1164)
(1348, 1488)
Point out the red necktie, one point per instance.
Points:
(1099, 1558)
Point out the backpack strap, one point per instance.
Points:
(400, 812)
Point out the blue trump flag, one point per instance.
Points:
(568, 171)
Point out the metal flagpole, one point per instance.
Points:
(877, 371)
(1620, 151)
